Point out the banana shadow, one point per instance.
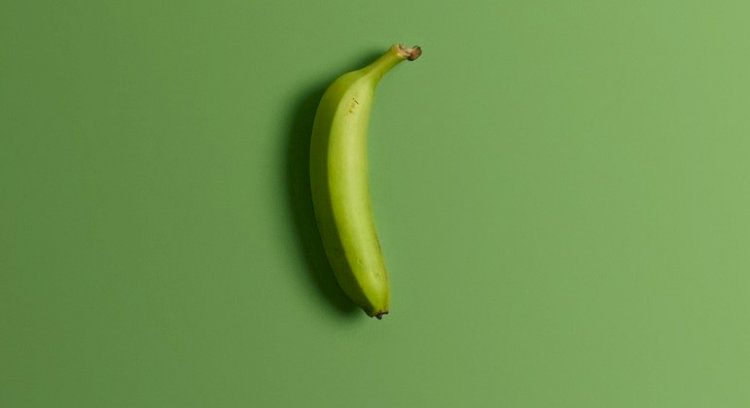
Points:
(297, 163)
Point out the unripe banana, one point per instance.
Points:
(340, 186)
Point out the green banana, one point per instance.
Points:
(339, 181)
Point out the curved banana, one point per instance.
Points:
(339, 181)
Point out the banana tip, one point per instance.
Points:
(380, 315)
(410, 53)
(414, 53)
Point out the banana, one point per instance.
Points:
(339, 182)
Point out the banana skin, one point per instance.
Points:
(340, 185)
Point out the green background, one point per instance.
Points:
(561, 190)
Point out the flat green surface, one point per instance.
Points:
(562, 191)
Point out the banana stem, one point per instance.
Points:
(395, 54)
(410, 53)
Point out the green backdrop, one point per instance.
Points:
(561, 190)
